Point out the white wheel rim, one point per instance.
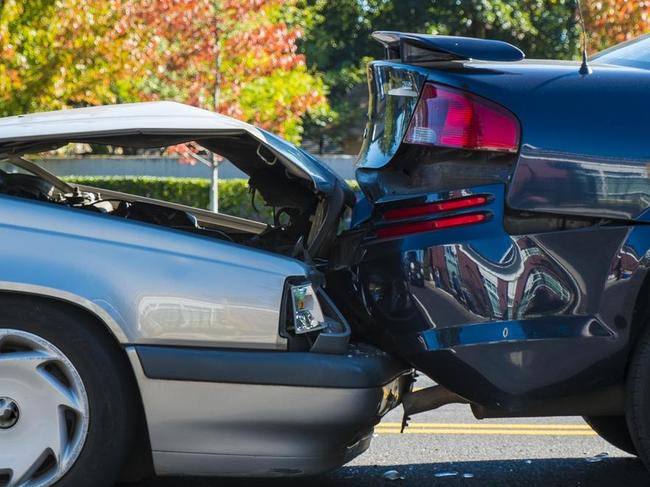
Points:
(43, 411)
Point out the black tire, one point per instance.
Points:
(614, 430)
(104, 371)
(638, 398)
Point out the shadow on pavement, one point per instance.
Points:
(610, 472)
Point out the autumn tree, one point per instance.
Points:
(612, 21)
(63, 53)
(239, 58)
(236, 57)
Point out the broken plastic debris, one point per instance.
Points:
(468, 475)
(445, 474)
(528, 462)
(393, 475)
(598, 458)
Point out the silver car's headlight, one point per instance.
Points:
(307, 313)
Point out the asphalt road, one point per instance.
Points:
(449, 447)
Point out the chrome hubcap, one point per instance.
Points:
(43, 411)
(9, 413)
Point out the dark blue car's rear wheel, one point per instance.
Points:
(638, 398)
(614, 430)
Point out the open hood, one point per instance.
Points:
(159, 124)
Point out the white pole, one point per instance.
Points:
(214, 189)
(214, 186)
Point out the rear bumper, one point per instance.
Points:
(512, 323)
(232, 413)
(520, 367)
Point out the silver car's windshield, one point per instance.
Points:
(634, 54)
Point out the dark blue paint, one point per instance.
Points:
(584, 148)
(361, 211)
(448, 47)
(443, 300)
(515, 331)
(510, 321)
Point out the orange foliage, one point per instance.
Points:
(208, 52)
(238, 57)
(612, 21)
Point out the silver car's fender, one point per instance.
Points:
(150, 285)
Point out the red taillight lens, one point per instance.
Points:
(440, 223)
(447, 117)
(431, 208)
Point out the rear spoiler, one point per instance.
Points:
(424, 48)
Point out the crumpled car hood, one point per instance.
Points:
(152, 124)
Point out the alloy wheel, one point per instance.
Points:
(44, 414)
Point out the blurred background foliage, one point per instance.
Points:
(296, 67)
(239, 57)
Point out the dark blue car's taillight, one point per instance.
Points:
(447, 117)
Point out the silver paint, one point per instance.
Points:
(150, 285)
(244, 429)
(161, 120)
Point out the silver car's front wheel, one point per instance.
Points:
(70, 408)
(44, 414)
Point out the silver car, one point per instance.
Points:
(139, 337)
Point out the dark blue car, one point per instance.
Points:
(503, 245)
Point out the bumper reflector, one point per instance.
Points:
(427, 226)
(439, 207)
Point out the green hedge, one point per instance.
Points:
(234, 197)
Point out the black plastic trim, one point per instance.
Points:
(359, 369)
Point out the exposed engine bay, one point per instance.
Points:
(296, 213)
